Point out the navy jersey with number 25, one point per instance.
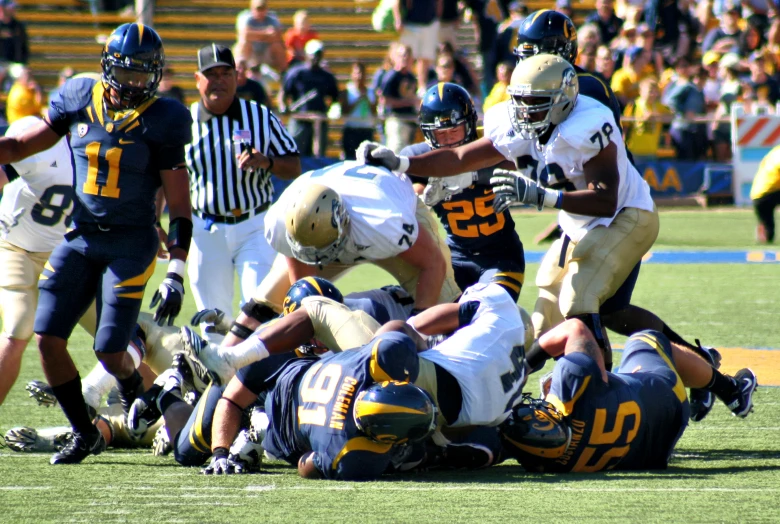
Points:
(118, 155)
(311, 407)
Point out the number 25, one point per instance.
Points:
(91, 186)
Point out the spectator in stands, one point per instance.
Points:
(751, 40)
(14, 46)
(643, 135)
(25, 98)
(462, 74)
(486, 15)
(499, 94)
(311, 89)
(765, 194)
(686, 99)
(418, 27)
(725, 37)
(358, 106)
(564, 6)
(506, 40)
(587, 60)
(625, 81)
(605, 63)
(66, 73)
(588, 38)
(606, 20)
(721, 131)
(449, 21)
(168, 88)
(382, 70)
(260, 37)
(297, 36)
(712, 86)
(765, 88)
(249, 88)
(398, 96)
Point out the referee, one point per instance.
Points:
(236, 144)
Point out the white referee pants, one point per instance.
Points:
(219, 252)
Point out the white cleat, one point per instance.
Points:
(29, 440)
(208, 355)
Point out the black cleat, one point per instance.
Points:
(129, 395)
(702, 400)
(742, 404)
(79, 447)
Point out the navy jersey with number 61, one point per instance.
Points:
(311, 407)
(118, 155)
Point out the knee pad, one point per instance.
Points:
(593, 321)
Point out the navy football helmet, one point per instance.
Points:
(444, 106)
(309, 287)
(395, 413)
(132, 64)
(547, 31)
(535, 434)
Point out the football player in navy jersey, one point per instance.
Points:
(483, 243)
(593, 420)
(126, 143)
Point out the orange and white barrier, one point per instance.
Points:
(752, 137)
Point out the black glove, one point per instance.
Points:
(223, 464)
(169, 296)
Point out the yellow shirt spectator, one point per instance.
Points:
(497, 95)
(643, 135)
(768, 175)
(23, 100)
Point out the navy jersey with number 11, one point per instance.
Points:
(118, 156)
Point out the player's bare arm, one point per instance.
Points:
(438, 320)
(572, 336)
(602, 175)
(39, 137)
(176, 191)
(227, 417)
(427, 257)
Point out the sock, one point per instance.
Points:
(130, 388)
(723, 386)
(96, 385)
(247, 352)
(72, 402)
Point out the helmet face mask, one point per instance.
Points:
(543, 91)
(132, 64)
(448, 106)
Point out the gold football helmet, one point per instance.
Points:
(317, 225)
(543, 91)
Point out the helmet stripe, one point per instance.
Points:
(140, 32)
(359, 444)
(550, 453)
(537, 14)
(313, 282)
(377, 373)
(441, 90)
(365, 408)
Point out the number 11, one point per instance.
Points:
(91, 186)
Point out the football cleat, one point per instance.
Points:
(195, 376)
(79, 447)
(161, 445)
(207, 355)
(258, 424)
(246, 451)
(27, 440)
(742, 404)
(702, 400)
(144, 412)
(41, 392)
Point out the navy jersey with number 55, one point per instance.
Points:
(631, 422)
(311, 407)
(118, 155)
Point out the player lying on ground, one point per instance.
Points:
(332, 219)
(592, 420)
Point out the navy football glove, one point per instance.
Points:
(223, 464)
(169, 296)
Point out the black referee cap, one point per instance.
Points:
(214, 55)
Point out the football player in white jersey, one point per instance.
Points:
(37, 199)
(332, 219)
(573, 159)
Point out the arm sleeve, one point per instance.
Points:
(58, 116)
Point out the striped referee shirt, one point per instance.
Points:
(217, 185)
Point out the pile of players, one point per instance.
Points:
(429, 373)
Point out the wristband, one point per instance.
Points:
(220, 452)
(403, 164)
(553, 198)
(176, 266)
(180, 233)
(241, 331)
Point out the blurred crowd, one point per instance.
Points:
(676, 67)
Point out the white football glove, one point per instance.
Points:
(223, 465)
(375, 154)
(8, 221)
(511, 186)
(439, 189)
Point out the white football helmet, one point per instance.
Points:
(317, 225)
(543, 91)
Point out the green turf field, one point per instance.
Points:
(724, 469)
